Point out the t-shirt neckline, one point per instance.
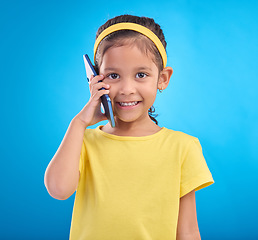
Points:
(129, 138)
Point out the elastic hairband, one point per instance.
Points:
(135, 27)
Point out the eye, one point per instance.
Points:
(141, 75)
(113, 76)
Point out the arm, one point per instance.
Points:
(62, 174)
(187, 228)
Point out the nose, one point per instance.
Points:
(127, 86)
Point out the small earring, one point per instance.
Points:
(161, 90)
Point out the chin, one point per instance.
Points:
(129, 119)
(126, 120)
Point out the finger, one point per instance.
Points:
(101, 92)
(94, 80)
(98, 86)
(95, 100)
(103, 117)
(96, 96)
(91, 77)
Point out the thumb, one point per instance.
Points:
(102, 117)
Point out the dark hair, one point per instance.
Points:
(123, 37)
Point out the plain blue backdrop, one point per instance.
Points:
(212, 47)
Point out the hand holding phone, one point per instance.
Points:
(105, 99)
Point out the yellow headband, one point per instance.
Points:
(135, 27)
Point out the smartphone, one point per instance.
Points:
(105, 99)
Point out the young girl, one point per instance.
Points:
(136, 180)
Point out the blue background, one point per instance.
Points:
(212, 47)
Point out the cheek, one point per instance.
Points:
(112, 90)
(152, 88)
(149, 94)
(147, 90)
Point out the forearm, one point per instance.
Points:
(189, 236)
(187, 228)
(62, 173)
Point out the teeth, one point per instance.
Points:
(125, 104)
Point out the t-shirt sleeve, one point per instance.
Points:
(195, 173)
(82, 165)
(82, 157)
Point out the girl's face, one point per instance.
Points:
(133, 79)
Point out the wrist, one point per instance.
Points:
(77, 121)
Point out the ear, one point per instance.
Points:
(164, 78)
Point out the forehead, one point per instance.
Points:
(144, 46)
(126, 56)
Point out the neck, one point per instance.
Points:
(134, 129)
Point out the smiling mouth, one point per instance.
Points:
(127, 104)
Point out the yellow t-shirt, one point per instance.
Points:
(130, 187)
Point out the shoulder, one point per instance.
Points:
(91, 135)
(180, 137)
(178, 142)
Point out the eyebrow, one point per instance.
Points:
(110, 69)
(136, 69)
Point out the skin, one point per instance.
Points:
(128, 75)
(187, 227)
(137, 79)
